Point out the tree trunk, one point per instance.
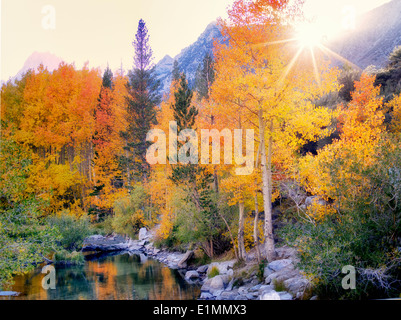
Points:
(241, 240)
(231, 235)
(267, 188)
(255, 230)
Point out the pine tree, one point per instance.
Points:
(143, 97)
(195, 177)
(205, 76)
(176, 73)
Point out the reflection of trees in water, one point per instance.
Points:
(116, 277)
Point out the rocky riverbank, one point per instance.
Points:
(281, 280)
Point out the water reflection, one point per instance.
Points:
(111, 277)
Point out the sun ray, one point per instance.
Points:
(290, 66)
(315, 68)
(330, 52)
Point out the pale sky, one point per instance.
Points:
(102, 31)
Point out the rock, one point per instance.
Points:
(143, 234)
(223, 267)
(9, 294)
(229, 295)
(218, 293)
(285, 296)
(282, 275)
(311, 200)
(206, 295)
(183, 263)
(286, 252)
(202, 269)
(217, 283)
(191, 275)
(267, 272)
(297, 286)
(255, 288)
(230, 285)
(104, 244)
(241, 297)
(250, 296)
(265, 288)
(314, 298)
(271, 295)
(279, 264)
(243, 290)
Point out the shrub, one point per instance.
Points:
(129, 215)
(65, 257)
(72, 230)
(213, 272)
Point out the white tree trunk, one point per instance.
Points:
(267, 190)
(241, 240)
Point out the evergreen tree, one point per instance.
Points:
(205, 76)
(143, 89)
(176, 73)
(195, 177)
(107, 81)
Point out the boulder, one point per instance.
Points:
(9, 294)
(297, 286)
(143, 234)
(227, 295)
(206, 296)
(285, 296)
(202, 269)
(270, 295)
(279, 264)
(224, 267)
(311, 200)
(282, 275)
(183, 263)
(265, 288)
(217, 283)
(191, 275)
(214, 284)
(104, 244)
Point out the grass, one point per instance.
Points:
(213, 272)
(71, 258)
(279, 286)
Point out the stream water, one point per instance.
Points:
(108, 277)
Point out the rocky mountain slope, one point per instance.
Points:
(49, 61)
(189, 58)
(378, 32)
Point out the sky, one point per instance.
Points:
(102, 31)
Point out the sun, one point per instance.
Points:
(309, 35)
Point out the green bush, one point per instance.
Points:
(65, 257)
(213, 272)
(129, 213)
(72, 230)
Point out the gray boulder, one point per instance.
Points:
(202, 269)
(279, 264)
(285, 296)
(143, 234)
(282, 275)
(191, 275)
(297, 286)
(183, 263)
(270, 295)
